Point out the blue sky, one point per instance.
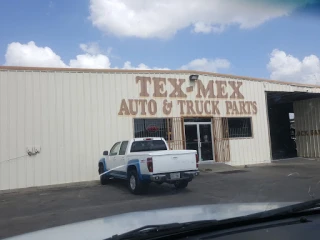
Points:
(63, 25)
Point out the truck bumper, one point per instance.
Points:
(160, 178)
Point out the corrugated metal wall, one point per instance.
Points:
(73, 117)
(307, 126)
(256, 149)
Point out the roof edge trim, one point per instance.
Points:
(45, 69)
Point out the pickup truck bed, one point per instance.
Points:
(172, 160)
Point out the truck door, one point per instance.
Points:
(113, 156)
(121, 158)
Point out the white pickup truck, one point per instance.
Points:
(141, 161)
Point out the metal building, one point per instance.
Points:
(55, 123)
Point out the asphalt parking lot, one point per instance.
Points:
(34, 209)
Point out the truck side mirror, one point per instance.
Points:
(105, 153)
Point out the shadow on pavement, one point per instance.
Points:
(154, 190)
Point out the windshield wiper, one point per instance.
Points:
(151, 231)
(146, 231)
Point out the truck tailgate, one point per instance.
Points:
(174, 161)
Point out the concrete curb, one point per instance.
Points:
(216, 167)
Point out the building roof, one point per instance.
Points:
(45, 69)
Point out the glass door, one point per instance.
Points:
(191, 133)
(198, 137)
(206, 144)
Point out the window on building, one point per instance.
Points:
(239, 127)
(197, 119)
(159, 127)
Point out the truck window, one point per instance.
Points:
(146, 146)
(115, 149)
(123, 148)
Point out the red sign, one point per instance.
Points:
(152, 128)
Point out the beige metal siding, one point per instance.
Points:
(74, 117)
(256, 149)
(307, 120)
(221, 140)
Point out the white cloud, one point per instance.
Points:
(208, 65)
(201, 27)
(141, 66)
(90, 61)
(31, 55)
(91, 48)
(163, 18)
(283, 66)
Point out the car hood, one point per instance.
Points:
(106, 227)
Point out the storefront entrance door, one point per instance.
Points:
(198, 137)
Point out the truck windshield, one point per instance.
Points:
(150, 145)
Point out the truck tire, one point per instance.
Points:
(104, 178)
(135, 185)
(181, 184)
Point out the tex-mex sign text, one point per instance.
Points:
(209, 98)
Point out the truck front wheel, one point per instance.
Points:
(136, 186)
(181, 184)
(104, 178)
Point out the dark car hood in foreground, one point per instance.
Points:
(106, 227)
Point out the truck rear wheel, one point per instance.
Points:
(136, 186)
(181, 184)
